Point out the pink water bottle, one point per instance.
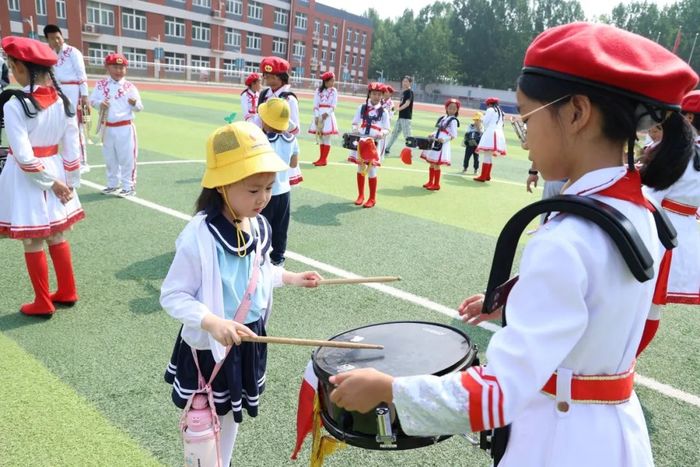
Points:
(201, 447)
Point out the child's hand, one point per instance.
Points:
(132, 101)
(361, 390)
(63, 192)
(104, 104)
(225, 331)
(470, 310)
(307, 279)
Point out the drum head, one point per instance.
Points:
(410, 348)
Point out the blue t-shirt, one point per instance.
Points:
(286, 146)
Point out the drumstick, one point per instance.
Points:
(309, 342)
(358, 280)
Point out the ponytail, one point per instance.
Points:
(669, 159)
(66, 102)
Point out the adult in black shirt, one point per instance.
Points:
(403, 124)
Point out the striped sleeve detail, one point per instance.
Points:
(31, 167)
(71, 166)
(485, 399)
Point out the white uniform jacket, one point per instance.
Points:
(493, 139)
(375, 123)
(576, 309)
(70, 73)
(324, 104)
(249, 104)
(446, 131)
(117, 94)
(193, 288)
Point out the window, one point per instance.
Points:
(133, 20)
(357, 37)
(235, 7)
(255, 10)
(251, 67)
(281, 16)
(317, 26)
(335, 31)
(323, 55)
(364, 38)
(354, 60)
(300, 21)
(253, 41)
(230, 67)
(13, 5)
(279, 46)
(98, 52)
(349, 35)
(299, 49)
(174, 27)
(60, 9)
(199, 63)
(204, 3)
(325, 29)
(100, 14)
(314, 53)
(347, 58)
(136, 57)
(362, 61)
(200, 32)
(174, 62)
(41, 7)
(232, 37)
(332, 56)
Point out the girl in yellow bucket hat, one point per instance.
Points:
(221, 257)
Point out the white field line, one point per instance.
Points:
(650, 383)
(344, 164)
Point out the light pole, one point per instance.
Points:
(30, 22)
(381, 75)
(157, 55)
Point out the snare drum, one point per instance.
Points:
(410, 348)
(426, 144)
(351, 140)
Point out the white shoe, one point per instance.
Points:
(127, 193)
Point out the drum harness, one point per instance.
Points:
(609, 219)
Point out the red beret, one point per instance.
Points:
(610, 58)
(29, 50)
(328, 75)
(375, 86)
(389, 89)
(116, 59)
(274, 65)
(492, 100)
(453, 101)
(691, 102)
(253, 77)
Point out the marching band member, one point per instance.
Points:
(387, 102)
(37, 185)
(324, 124)
(493, 141)
(370, 121)
(681, 201)
(249, 96)
(446, 131)
(70, 73)
(561, 372)
(117, 100)
(275, 72)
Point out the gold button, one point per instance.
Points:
(563, 406)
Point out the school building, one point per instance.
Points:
(187, 38)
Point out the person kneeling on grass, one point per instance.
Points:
(226, 243)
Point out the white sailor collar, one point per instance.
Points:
(595, 181)
(288, 137)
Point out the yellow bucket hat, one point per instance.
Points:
(237, 151)
(275, 113)
(478, 116)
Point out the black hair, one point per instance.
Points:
(323, 84)
(50, 28)
(284, 77)
(409, 78)
(34, 72)
(668, 160)
(210, 201)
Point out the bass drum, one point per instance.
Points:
(410, 348)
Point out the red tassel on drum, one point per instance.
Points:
(406, 156)
(661, 289)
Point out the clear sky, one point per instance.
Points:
(590, 7)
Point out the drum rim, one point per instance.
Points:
(324, 376)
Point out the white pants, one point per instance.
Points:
(120, 150)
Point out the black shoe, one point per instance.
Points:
(386, 151)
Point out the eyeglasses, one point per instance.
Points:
(520, 123)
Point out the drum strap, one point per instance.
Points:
(368, 119)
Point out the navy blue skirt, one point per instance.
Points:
(237, 386)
